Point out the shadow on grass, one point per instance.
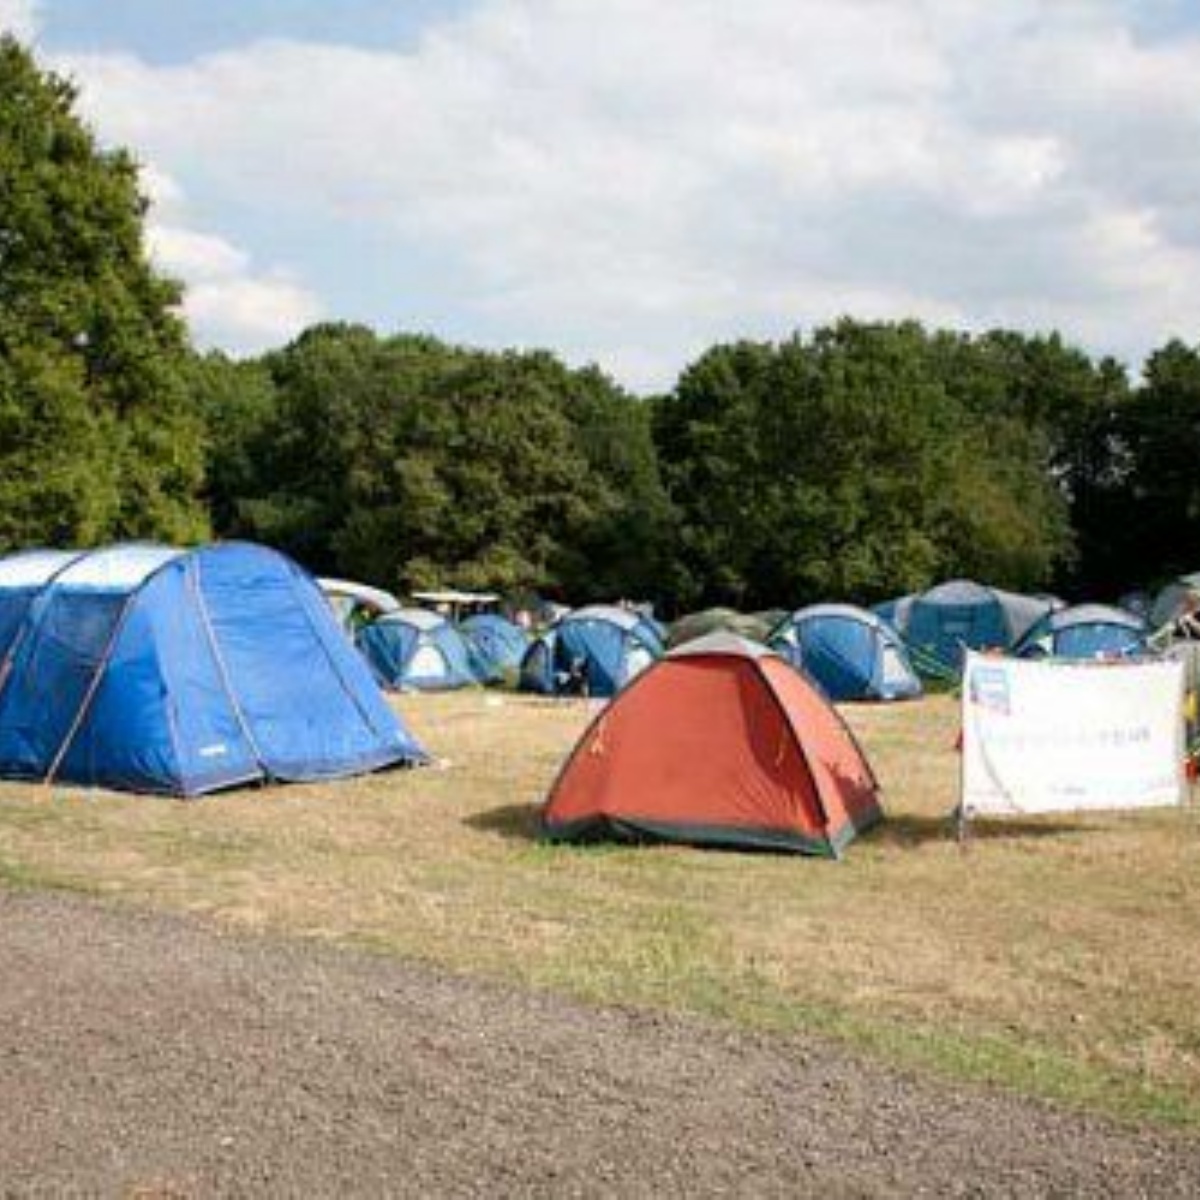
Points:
(519, 822)
(515, 822)
(910, 829)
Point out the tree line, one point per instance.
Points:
(857, 460)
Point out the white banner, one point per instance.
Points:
(1053, 737)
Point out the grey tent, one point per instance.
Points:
(1179, 598)
(939, 624)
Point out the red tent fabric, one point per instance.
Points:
(723, 743)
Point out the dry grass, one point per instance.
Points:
(1057, 956)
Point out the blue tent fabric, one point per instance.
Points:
(599, 648)
(415, 649)
(22, 576)
(1086, 631)
(495, 645)
(946, 620)
(940, 624)
(848, 652)
(152, 669)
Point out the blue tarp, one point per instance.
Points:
(153, 669)
(416, 649)
(496, 645)
(849, 653)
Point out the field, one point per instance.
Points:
(1057, 957)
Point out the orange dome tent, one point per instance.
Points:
(719, 743)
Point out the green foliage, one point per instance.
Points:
(97, 439)
(1066, 409)
(847, 465)
(237, 401)
(863, 461)
(410, 463)
(1159, 433)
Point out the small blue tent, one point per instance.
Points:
(1085, 631)
(155, 669)
(848, 652)
(596, 650)
(938, 625)
(495, 644)
(416, 649)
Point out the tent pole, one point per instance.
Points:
(961, 823)
(92, 688)
(210, 634)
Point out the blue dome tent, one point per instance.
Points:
(598, 649)
(496, 645)
(155, 669)
(416, 649)
(1085, 631)
(848, 652)
(938, 625)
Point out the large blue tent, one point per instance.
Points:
(1085, 631)
(848, 652)
(150, 668)
(596, 650)
(415, 649)
(496, 645)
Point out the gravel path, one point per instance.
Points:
(150, 1055)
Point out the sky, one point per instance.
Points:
(628, 182)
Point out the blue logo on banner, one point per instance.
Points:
(989, 689)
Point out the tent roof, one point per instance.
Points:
(32, 568)
(418, 618)
(848, 612)
(606, 612)
(1093, 614)
(721, 641)
(958, 591)
(451, 596)
(119, 569)
(373, 597)
(490, 621)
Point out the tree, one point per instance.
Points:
(97, 437)
(707, 436)
(1161, 433)
(1067, 411)
(408, 462)
(845, 466)
(238, 402)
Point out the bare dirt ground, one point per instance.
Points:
(148, 1055)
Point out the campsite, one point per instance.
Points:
(1056, 956)
(599, 599)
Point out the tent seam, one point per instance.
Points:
(193, 573)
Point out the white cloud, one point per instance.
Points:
(195, 256)
(631, 181)
(20, 18)
(227, 301)
(246, 313)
